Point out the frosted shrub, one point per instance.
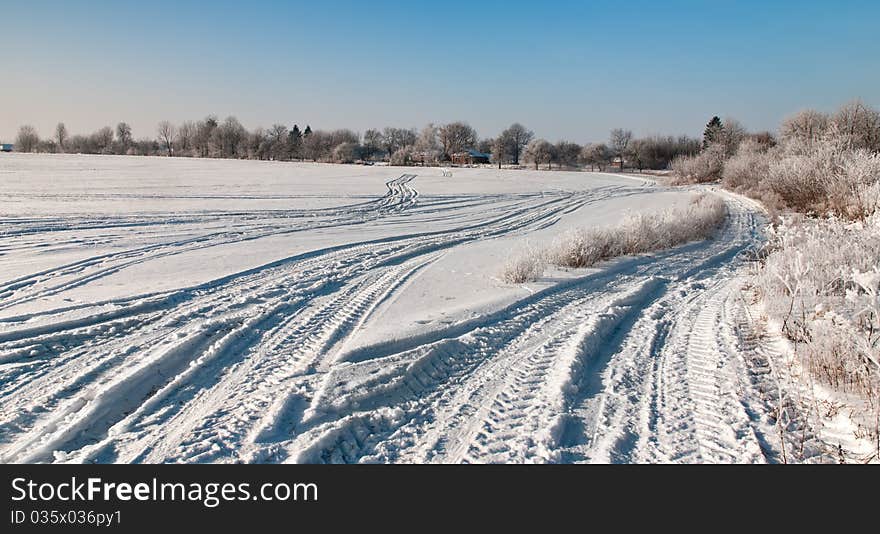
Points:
(346, 153)
(706, 166)
(820, 281)
(747, 173)
(856, 195)
(800, 182)
(402, 156)
(526, 265)
(822, 177)
(581, 247)
(638, 234)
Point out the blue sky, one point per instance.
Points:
(566, 69)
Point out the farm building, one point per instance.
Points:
(6, 148)
(470, 157)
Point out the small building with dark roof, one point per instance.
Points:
(471, 157)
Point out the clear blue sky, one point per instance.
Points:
(566, 69)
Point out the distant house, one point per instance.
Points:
(6, 148)
(471, 157)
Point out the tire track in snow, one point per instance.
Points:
(682, 333)
(85, 383)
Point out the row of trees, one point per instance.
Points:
(820, 163)
(433, 144)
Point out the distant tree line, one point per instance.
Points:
(432, 145)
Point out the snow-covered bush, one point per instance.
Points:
(748, 168)
(820, 281)
(747, 173)
(402, 156)
(525, 265)
(581, 247)
(801, 177)
(856, 193)
(706, 166)
(639, 233)
(347, 153)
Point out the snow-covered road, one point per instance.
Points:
(347, 326)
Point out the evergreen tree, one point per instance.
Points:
(713, 131)
(308, 131)
(294, 142)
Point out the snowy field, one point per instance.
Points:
(181, 310)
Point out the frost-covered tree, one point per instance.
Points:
(402, 156)
(731, 135)
(619, 141)
(586, 156)
(61, 136)
(166, 132)
(456, 137)
(500, 149)
(427, 148)
(806, 126)
(858, 125)
(347, 152)
(539, 151)
(27, 139)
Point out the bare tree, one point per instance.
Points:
(394, 139)
(619, 141)
(230, 138)
(205, 136)
(517, 137)
(373, 143)
(257, 144)
(61, 136)
(858, 124)
(500, 149)
(103, 140)
(566, 153)
(27, 139)
(316, 145)
(278, 139)
(805, 126)
(186, 136)
(123, 136)
(456, 137)
(166, 136)
(637, 152)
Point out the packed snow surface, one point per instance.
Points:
(181, 310)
